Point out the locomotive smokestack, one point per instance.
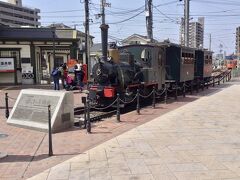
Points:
(104, 33)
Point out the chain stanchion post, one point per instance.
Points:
(184, 89)
(88, 117)
(154, 97)
(191, 88)
(7, 106)
(213, 81)
(197, 85)
(118, 107)
(138, 102)
(223, 78)
(219, 80)
(176, 91)
(166, 94)
(203, 85)
(84, 101)
(50, 149)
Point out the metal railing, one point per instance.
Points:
(225, 76)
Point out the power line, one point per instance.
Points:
(217, 3)
(127, 18)
(125, 12)
(66, 11)
(165, 15)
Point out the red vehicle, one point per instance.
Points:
(231, 64)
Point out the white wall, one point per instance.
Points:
(25, 49)
(24, 53)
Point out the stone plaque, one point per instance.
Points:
(35, 107)
(31, 109)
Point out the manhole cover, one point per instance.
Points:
(3, 135)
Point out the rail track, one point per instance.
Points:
(98, 115)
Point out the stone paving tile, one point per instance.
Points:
(79, 175)
(159, 169)
(187, 167)
(134, 177)
(164, 176)
(195, 141)
(100, 173)
(29, 148)
(137, 166)
(217, 174)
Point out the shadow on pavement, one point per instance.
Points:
(29, 158)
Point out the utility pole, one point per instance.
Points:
(210, 42)
(149, 19)
(87, 36)
(104, 30)
(54, 45)
(186, 21)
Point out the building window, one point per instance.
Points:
(11, 53)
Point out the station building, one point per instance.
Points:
(26, 54)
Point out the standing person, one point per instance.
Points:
(56, 76)
(78, 69)
(64, 73)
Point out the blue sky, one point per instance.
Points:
(221, 18)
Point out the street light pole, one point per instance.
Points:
(186, 17)
(149, 19)
(54, 46)
(87, 35)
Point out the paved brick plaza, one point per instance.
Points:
(186, 143)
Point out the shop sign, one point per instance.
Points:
(7, 65)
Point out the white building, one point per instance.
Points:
(13, 14)
(137, 39)
(196, 33)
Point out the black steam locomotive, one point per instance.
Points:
(145, 67)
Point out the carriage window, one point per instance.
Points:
(146, 57)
